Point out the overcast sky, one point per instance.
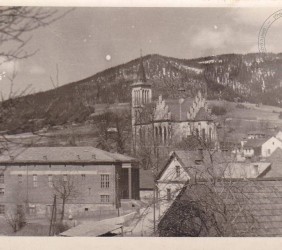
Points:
(89, 40)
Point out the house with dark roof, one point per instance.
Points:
(275, 170)
(247, 208)
(30, 177)
(169, 118)
(183, 166)
(263, 147)
(254, 134)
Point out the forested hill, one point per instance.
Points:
(254, 77)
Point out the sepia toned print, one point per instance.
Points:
(140, 122)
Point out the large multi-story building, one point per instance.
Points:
(171, 119)
(95, 179)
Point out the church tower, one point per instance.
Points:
(141, 94)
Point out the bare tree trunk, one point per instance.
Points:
(63, 210)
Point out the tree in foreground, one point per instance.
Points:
(65, 188)
(219, 200)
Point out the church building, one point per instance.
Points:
(168, 120)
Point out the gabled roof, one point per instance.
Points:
(255, 143)
(243, 170)
(215, 163)
(255, 208)
(93, 228)
(203, 115)
(256, 132)
(276, 164)
(61, 155)
(174, 108)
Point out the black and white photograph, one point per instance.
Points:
(137, 121)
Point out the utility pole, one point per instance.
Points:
(154, 207)
(155, 198)
(53, 217)
(117, 194)
(27, 194)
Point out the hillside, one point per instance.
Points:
(252, 77)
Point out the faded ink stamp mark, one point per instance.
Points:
(264, 29)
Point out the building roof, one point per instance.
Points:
(92, 228)
(253, 207)
(256, 132)
(146, 179)
(255, 143)
(276, 164)
(174, 108)
(216, 163)
(203, 115)
(141, 76)
(242, 170)
(195, 162)
(61, 155)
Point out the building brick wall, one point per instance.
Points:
(21, 190)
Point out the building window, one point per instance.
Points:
(1, 191)
(168, 194)
(197, 133)
(20, 209)
(203, 134)
(35, 180)
(1, 178)
(32, 209)
(50, 180)
(2, 209)
(105, 198)
(105, 181)
(20, 178)
(177, 170)
(210, 134)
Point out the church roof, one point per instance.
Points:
(203, 115)
(141, 80)
(174, 108)
(141, 75)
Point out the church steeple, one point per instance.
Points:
(141, 88)
(141, 75)
(141, 95)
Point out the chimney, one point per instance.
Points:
(200, 154)
(255, 170)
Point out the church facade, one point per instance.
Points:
(168, 120)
